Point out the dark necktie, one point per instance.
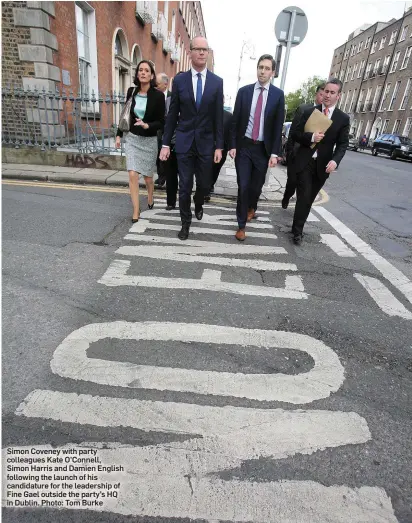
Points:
(258, 113)
(199, 90)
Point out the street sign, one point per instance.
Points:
(290, 29)
(283, 22)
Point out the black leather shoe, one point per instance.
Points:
(207, 198)
(170, 207)
(184, 232)
(199, 213)
(297, 239)
(150, 206)
(285, 203)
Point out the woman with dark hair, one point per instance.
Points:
(147, 115)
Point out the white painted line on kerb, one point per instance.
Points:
(180, 253)
(312, 218)
(383, 297)
(208, 219)
(337, 245)
(223, 248)
(179, 479)
(116, 276)
(70, 360)
(388, 271)
(143, 225)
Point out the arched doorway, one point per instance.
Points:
(121, 63)
(376, 128)
(136, 57)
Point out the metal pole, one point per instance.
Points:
(288, 47)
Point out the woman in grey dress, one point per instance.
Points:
(147, 116)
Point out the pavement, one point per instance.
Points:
(225, 186)
(216, 381)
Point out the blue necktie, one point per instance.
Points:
(199, 90)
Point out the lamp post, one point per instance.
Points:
(249, 48)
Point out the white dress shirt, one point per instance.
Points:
(331, 109)
(195, 78)
(256, 93)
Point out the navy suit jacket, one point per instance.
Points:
(203, 126)
(273, 123)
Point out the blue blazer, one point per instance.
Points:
(203, 126)
(274, 118)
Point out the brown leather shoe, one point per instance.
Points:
(240, 235)
(251, 214)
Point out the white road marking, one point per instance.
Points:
(116, 276)
(142, 225)
(180, 253)
(388, 271)
(325, 377)
(223, 248)
(312, 218)
(208, 219)
(383, 297)
(337, 245)
(219, 216)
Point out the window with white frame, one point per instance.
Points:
(396, 127)
(394, 95)
(367, 106)
(348, 73)
(354, 71)
(346, 102)
(360, 46)
(383, 40)
(354, 124)
(393, 37)
(406, 58)
(376, 67)
(373, 49)
(346, 54)
(385, 64)
(341, 74)
(361, 67)
(358, 107)
(408, 127)
(403, 33)
(395, 62)
(368, 42)
(384, 126)
(384, 97)
(352, 102)
(376, 97)
(359, 129)
(368, 68)
(406, 94)
(341, 99)
(352, 50)
(86, 51)
(367, 128)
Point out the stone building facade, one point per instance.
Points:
(375, 66)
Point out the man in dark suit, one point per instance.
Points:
(256, 138)
(227, 127)
(162, 83)
(196, 112)
(313, 166)
(292, 146)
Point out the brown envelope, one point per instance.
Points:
(317, 122)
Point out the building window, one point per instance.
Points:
(384, 126)
(393, 37)
(406, 94)
(385, 65)
(353, 50)
(362, 65)
(408, 127)
(395, 62)
(342, 74)
(383, 40)
(346, 54)
(346, 102)
(376, 97)
(405, 60)
(354, 71)
(376, 67)
(358, 107)
(368, 105)
(374, 47)
(403, 33)
(385, 95)
(360, 46)
(394, 95)
(122, 65)
(368, 68)
(368, 42)
(348, 73)
(87, 52)
(396, 126)
(368, 126)
(359, 129)
(354, 124)
(352, 102)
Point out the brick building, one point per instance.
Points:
(375, 66)
(80, 49)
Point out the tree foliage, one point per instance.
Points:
(305, 94)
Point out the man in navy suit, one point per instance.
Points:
(196, 113)
(256, 138)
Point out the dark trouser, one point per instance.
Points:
(170, 170)
(251, 163)
(189, 164)
(308, 185)
(217, 167)
(290, 185)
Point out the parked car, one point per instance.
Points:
(353, 143)
(394, 145)
(285, 136)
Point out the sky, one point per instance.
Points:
(228, 25)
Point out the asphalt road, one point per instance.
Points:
(280, 387)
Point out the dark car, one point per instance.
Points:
(394, 145)
(353, 143)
